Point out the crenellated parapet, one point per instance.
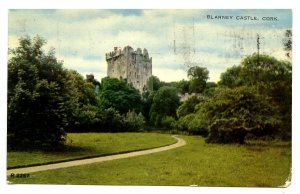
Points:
(127, 51)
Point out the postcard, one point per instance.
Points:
(150, 97)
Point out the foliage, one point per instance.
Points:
(183, 86)
(86, 119)
(153, 83)
(133, 121)
(198, 76)
(231, 77)
(85, 104)
(119, 95)
(165, 103)
(273, 80)
(39, 97)
(209, 89)
(167, 122)
(147, 100)
(231, 114)
(193, 124)
(187, 106)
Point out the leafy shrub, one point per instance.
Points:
(134, 121)
(231, 114)
(167, 122)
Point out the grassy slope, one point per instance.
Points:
(88, 144)
(196, 163)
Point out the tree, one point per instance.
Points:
(134, 121)
(184, 86)
(209, 89)
(271, 77)
(153, 83)
(188, 106)
(119, 95)
(198, 77)
(39, 97)
(110, 121)
(231, 77)
(165, 103)
(147, 100)
(85, 104)
(231, 114)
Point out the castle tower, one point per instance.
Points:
(126, 63)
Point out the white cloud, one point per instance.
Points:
(82, 37)
(168, 75)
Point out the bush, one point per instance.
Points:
(167, 122)
(133, 121)
(231, 114)
(226, 131)
(192, 124)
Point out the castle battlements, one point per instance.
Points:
(127, 50)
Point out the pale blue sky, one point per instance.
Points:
(82, 37)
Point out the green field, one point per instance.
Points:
(197, 163)
(80, 145)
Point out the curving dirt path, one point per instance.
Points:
(180, 142)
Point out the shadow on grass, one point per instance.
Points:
(74, 153)
(256, 145)
(72, 148)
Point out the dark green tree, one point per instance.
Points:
(39, 97)
(188, 106)
(272, 78)
(119, 95)
(231, 114)
(153, 83)
(165, 103)
(231, 77)
(198, 76)
(85, 104)
(183, 86)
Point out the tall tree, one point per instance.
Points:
(198, 76)
(188, 106)
(153, 83)
(271, 77)
(83, 116)
(119, 95)
(165, 103)
(39, 97)
(231, 77)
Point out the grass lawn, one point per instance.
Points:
(197, 163)
(91, 144)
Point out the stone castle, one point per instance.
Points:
(126, 63)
